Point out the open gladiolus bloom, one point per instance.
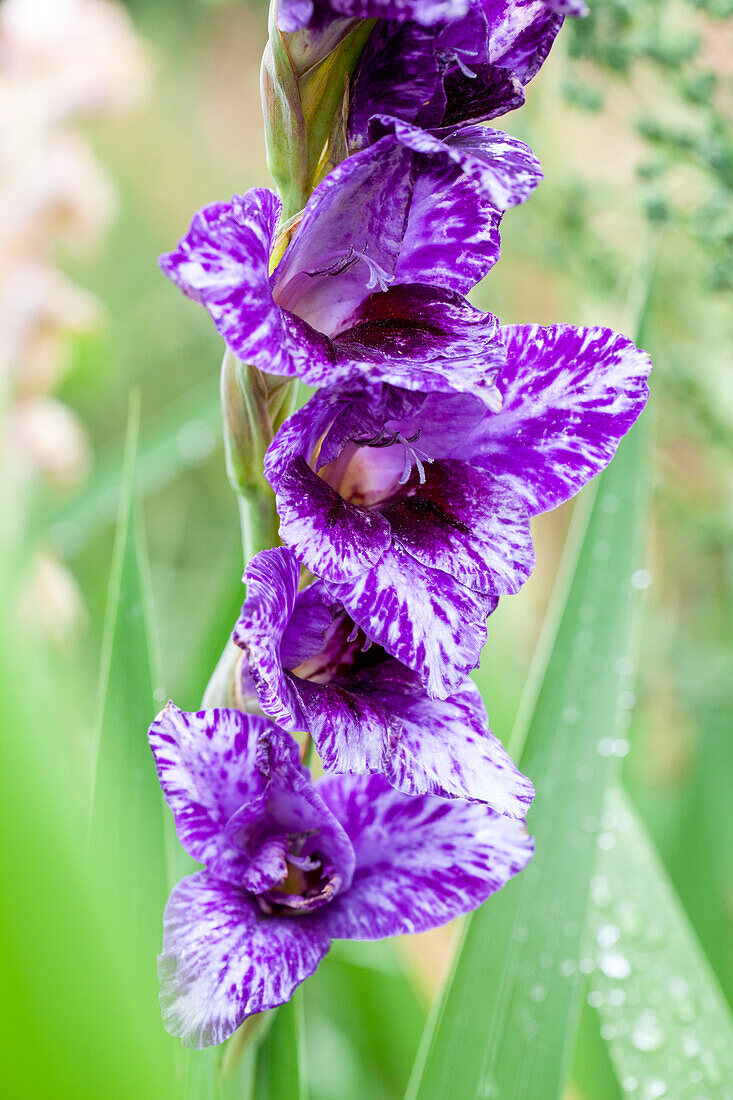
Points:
(292, 864)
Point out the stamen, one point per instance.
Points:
(336, 263)
(464, 67)
(412, 455)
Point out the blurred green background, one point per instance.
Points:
(630, 118)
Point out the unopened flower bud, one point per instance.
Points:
(304, 81)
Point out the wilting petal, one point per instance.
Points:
(224, 960)
(421, 616)
(446, 748)
(467, 523)
(211, 764)
(419, 861)
(570, 395)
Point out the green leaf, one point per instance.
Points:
(668, 1027)
(127, 841)
(280, 1057)
(507, 1023)
(363, 1022)
(180, 435)
(593, 1075)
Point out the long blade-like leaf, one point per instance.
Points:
(668, 1027)
(363, 1021)
(507, 1023)
(279, 1061)
(127, 849)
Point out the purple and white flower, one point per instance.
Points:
(310, 668)
(377, 267)
(292, 15)
(291, 865)
(413, 508)
(447, 74)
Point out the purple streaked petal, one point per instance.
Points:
(365, 711)
(351, 727)
(398, 75)
(367, 223)
(305, 633)
(294, 807)
(211, 764)
(419, 861)
(223, 959)
(329, 535)
(467, 523)
(292, 15)
(464, 71)
(426, 12)
(423, 338)
(505, 168)
(223, 263)
(423, 617)
(446, 748)
(570, 395)
(350, 235)
(489, 92)
(272, 584)
(268, 866)
(451, 238)
(520, 34)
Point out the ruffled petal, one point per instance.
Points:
(466, 523)
(272, 585)
(503, 167)
(211, 764)
(570, 395)
(411, 208)
(519, 36)
(330, 536)
(223, 959)
(445, 748)
(423, 617)
(425, 339)
(419, 861)
(222, 263)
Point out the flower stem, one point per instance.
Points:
(259, 521)
(250, 401)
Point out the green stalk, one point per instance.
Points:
(247, 401)
(252, 408)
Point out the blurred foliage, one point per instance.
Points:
(682, 113)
